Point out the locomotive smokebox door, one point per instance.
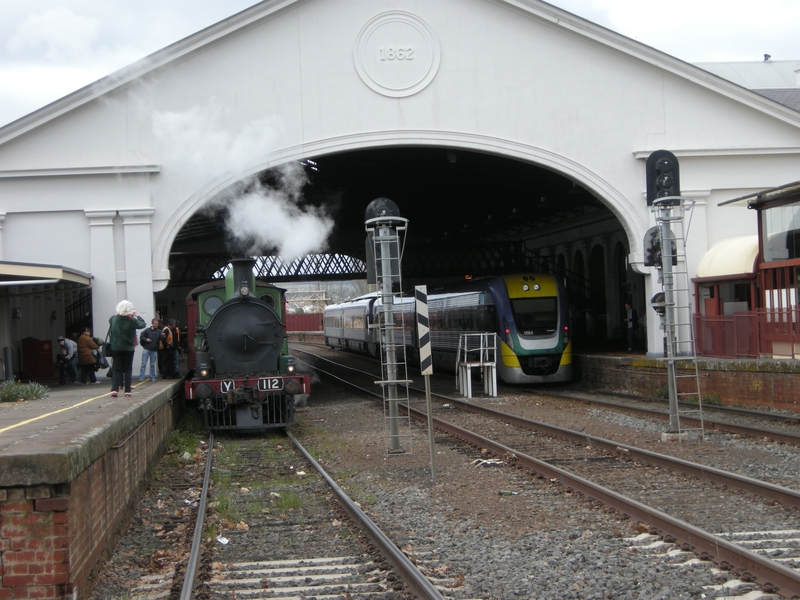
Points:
(243, 336)
(249, 415)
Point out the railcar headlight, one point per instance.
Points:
(290, 368)
(292, 386)
(203, 373)
(244, 291)
(203, 391)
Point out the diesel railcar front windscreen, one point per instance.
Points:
(535, 316)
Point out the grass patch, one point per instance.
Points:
(225, 508)
(708, 399)
(288, 501)
(11, 391)
(187, 436)
(221, 478)
(211, 531)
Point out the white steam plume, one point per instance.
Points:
(268, 218)
(205, 141)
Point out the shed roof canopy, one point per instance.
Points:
(16, 273)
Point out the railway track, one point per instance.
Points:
(590, 456)
(783, 427)
(284, 528)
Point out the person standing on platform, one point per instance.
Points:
(174, 350)
(149, 340)
(632, 321)
(63, 365)
(165, 353)
(71, 357)
(123, 326)
(86, 358)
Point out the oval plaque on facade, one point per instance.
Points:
(396, 54)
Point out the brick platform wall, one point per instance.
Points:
(52, 538)
(747, 383)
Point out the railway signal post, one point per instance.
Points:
(384, 226)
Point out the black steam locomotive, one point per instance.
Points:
(243, 376)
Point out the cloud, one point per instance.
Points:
(58, 35)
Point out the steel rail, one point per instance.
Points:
(786, 496)
(416, 581)
(734, 410)
(779, 436)
(772, 576)
(194, 555)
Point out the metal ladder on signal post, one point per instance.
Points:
(673, 226)
(391, 325)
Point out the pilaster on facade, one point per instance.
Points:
(2, 218)
(137, 216)
(102, 267)
(136, 224)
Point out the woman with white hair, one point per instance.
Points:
(122, 327)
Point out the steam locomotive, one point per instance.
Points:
(528, 312)
(243, 376)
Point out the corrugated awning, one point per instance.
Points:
(15, 273)
(729, 258)
(778, 196)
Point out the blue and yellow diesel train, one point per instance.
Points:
(529, 313)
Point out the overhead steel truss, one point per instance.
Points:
(197, 268)
(481, 260)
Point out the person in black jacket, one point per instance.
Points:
(148, 340)
(631, 319)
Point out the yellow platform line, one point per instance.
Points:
(55, 412)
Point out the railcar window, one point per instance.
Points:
(270, 301)
(211, 304)
(535, 316)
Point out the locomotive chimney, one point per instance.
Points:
(242, 276)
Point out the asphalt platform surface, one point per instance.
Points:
(52, 440)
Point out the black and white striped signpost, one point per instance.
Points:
(425, 359)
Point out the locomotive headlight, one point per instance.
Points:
(244, 291)
(536, 287)
(292, 386)
(203, 391)
(525, 287)
(290, 368)
(203, 373)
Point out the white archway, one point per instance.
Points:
(629, 216)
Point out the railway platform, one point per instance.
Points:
(72, 466)
(749, 383)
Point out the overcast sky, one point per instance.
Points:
(49, 48)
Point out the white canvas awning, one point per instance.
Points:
(735, 256)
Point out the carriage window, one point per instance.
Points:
(269, 300)
(535, 316)
(211, 304)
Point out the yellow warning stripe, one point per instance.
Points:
(55, 412)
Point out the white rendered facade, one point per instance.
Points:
(116, 169)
